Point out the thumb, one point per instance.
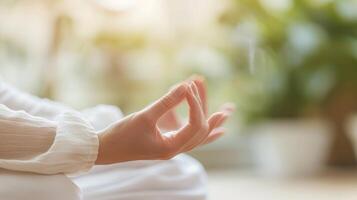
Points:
(167, 102)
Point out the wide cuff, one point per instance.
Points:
(74, 149)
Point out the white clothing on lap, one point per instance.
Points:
(41, 140)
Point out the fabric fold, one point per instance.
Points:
(73, 141)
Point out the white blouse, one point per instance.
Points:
(41, 136)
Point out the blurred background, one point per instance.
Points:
(289, 65)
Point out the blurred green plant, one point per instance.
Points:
(303, 54)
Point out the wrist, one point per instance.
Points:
(100, 156)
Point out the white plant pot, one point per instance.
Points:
(352, 132)
(291, 147)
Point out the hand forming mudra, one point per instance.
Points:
(139, 136)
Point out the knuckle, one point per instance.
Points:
(194, 127)
(204, 127)
(167, 102)
(146, 118)
(199, 127)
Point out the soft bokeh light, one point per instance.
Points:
(289, 65)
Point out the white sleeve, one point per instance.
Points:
(17, 100)
(68, 144)
(102, 116)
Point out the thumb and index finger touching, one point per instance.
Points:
(180, 92)
(167, 102)
(175, 96)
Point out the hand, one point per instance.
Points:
(137, 136)
(171, 121)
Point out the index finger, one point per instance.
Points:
(196, 122)
(167, 102)
(202, 91)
